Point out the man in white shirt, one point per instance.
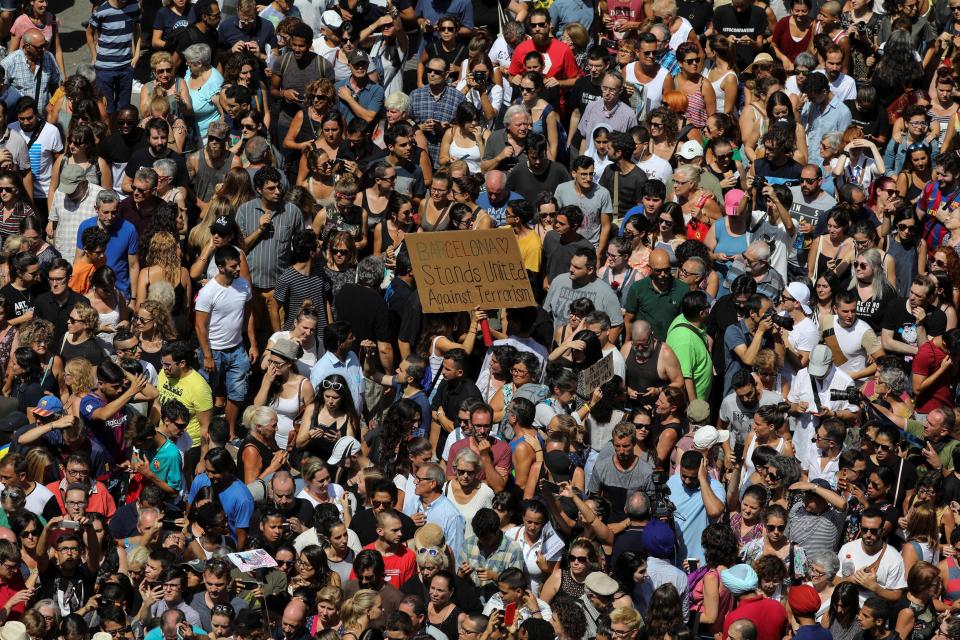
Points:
(809, 397)
(870, 563)
(799, 341)
(223, 311)
(842, 85)
(852, 337)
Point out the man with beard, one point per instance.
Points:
(123, 141)
(359, 96)
(68, 580)
(623, 178)
(657, 297)
(810, 203)
(208, 166)
(15, 144)
(535, 172)
(364, 523)
(877, 567)
(755, 262)
(561, 67)
(138, 208)
(358, 151)
(587, 88)
(619, 475)
(739, 406)
(202, 31)
(651, 365)
(743, 340)
(504, 146)
(854, 343)
(398, 560)
(217, 589)
(434, 105)
(581, 281)
(842, 85)
(179, 381)
(220, 472)
(43, 141)
(158, 134)
(906, 320)
(411, 171)
(74, 201)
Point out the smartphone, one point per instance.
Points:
(169, 523)
(692, 564)
(69, 524)
(509, 614)
(549, 487)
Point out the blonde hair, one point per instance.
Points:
(37, 329)
(139, 555)
(577, 34)
(88, 315)
(356, 608)
(163, 253)
(347, 185)
(161, 317)
(922, 524)
(158, 57)
(331, 595)
(83, 374)
(159, 107)
(767, 358)
(38, 461)
(310, 467)
(627, 616)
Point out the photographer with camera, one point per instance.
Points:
(482, 86)
(755, 262)
(742, 341)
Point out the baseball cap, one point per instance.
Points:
(690, 149)
(70, 178)
(331, 19)
(731, 201)
(48, 406)
(820, 360)
(801, 293)
(346, 446)
(708, 436)
(358, 57)
(601, 584)
(221, 225)
(698, 411)
(218, 129)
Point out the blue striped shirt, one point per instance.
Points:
(115, 38)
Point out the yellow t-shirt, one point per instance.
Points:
(530, 250)
(193, 391)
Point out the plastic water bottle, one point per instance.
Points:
(847, 568)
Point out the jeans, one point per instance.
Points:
(115, 85)
(232, 371)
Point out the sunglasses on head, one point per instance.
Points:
(332, 384)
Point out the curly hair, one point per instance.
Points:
(163, 253)
(671, 123)
(719, 545)
(37, 330)
(770, 568)
(394, 429)
(161, 319)
(570, 615)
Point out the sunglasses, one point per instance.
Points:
(447, 29)
(331, 384)
(906, 227)
(776, 527)
(809, 180)
(873, 530)
(8, 189)
(435, 72)
(340, 252)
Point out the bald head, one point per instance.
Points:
(659, 259)
(640, 330)
(37, 42)
(294, 615)
(7, 534)
(742, 629)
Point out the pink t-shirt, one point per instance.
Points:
(23, 23)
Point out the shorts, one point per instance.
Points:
(231, 374)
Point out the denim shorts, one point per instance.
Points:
(232, 372)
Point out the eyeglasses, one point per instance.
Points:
(435, 72)
(776, 527)
(692, 61)
(332, 385)
(75, 503)
(142, 320)
(873, 530)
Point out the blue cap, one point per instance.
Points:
(48, 406)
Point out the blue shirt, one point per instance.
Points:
(236, 499)
(693, 512)
(114, 26)
(433, 10)
(370, 97)
(834, 116)
(499, 212)
(812, 632)
(350, 370)
(445, 515)
(166, 465)
(157, 633)
(123, 242)
(262, 32)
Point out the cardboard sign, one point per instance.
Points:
(595, 375)
(462, 270)
(252, 559)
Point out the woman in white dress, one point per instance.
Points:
(542, 546)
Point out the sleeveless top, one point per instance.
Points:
(442, 223)
(308, 130)
(736, 521)
(171, 98)
(905, 261)
(569, 586)
(727, 243)
(643, 376)
(951, 593)
(451, 623)
(944, 124)
(718, 90)
(924, 621)
(436, 359)
(650, 92)
(374, 218)
(266, 453)
(748, 461)
(287, 411)
(105, 338)
(697, 107)
(470, 155)
(206, 179)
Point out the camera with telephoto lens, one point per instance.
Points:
(784, 322)
(851, 394)
(480, 77)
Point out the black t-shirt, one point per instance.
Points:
(629, 186)
(365, 311)
(117, 149)
(951, 489)
(908, 478)
(301, 509)
(364, 524)
(584, 92)
(143, 158)
(904, 324)
(752, 22)
(28, 395)
(21, 301)
(530, 185)
(191, 35)
(70, 593)
(787, 173)
(556, 255)
(874, 123)
(48, 308)
(698, 13)
(872, 311)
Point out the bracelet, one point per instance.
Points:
(586, 405)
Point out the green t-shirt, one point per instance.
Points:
(690, 345)
(659, 309)
(915, 428)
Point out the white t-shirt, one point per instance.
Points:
(844, 87)
(38, 498)
(782, 240)
(619, 365)
(802, 391)
(225, 306)
(889, 572)
(550, 544)
(657, 168)
(804, 337)
(41, 154)
(501, 54)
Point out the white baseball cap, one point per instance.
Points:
(801, 293)
(821, 358)
(708, 436)
(690, 149)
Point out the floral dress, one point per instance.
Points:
(756, 533)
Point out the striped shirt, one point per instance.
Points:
(271, 254)
(815, 533)
(293, 288)
(114, 38)
(68, 215)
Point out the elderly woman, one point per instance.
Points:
(259, 452)
(466, 491)
(203, 82)
(396, 110)
(698, 204)
(823, 569)
(830, 144)
(166, 84)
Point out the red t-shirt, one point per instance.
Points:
(558, 62)
(785, 42)
(925, 363)
(398, 568)
(7, 591)
(502, 456)
(769, 617)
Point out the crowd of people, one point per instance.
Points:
(225, 414)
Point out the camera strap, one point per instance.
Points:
(816, 393)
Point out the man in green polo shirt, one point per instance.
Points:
(656, 298)
(936, 432)
(688, 340)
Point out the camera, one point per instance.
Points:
(784, 322)
(480, 77)
(861, 26)
(660, 503)
(851, 394)
(759, 182)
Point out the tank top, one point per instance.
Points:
(697, 107)
(374, 218)
(718, 91)
(643, 376)
(171, 98)
(951, 592)
(944, 124)
(207, 177)
(266, 453)
(905, 261)
(651, 92)
(287, 411)
(924, 621)
(748, 461)
(569, 586)
(470, 155)
(729, 244)
(105, 339)
(436, 359)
